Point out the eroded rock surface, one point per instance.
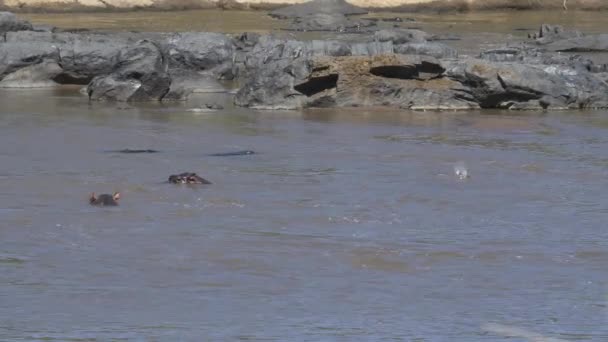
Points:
(141, 76)
(403, 68)
(316, 7)
(331, 23)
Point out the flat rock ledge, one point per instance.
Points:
(399, 68)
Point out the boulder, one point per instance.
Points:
(140, 75)
(212, 53)
(316, 7)
(270, 49)
(271, 85)
(402, 36)
(30, 37)
(436, 50)
(18, 55)
(590, 43)
(84, 56)
(301, 74)
(39, 75)
(185, 83)
(534, 55)
(517, 86)
(380, 80)
(331, 23)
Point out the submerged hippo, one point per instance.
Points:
(104, 199)
(188, 178)
(231, 154)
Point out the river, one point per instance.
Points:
(346, 225)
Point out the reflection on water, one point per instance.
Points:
(347, 224)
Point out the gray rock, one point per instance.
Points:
(32, 37)
(271, 49)
(533, 55)
(300, 74)
(383, 80)
(212, 53)
(39, 75)
(141, 75)
(10, 22)
(590, 43)
(272, 84)
(328, 48)
(436, 50)
(513, 85)
(504, 54)
(84, 56)
(316, 7)
(14, 55)
(371, 48)
(402, 36)
(185, 83)
(330, 22)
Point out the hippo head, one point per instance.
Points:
(187, 178)
(104, 199)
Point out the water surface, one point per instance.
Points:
(346, 225)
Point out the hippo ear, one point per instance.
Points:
(116, 196)
(93, 198)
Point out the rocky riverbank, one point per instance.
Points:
(397, 67)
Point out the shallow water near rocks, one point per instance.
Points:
(345, 225)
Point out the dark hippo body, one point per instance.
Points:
(188, 178)
(231, 154)
(132, 151)
(104, 199)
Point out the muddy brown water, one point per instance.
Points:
(347, 225)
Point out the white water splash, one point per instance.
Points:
(461, 170)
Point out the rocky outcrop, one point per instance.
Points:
(39, 75)
(194, 61)
(316, 7)
(436, 50)
(591, 43)
(203, 52)
(522, 86)
(330, 23)
(402, 68)
(286, 74)
(85, 56)
(141, 75)
(25, 65)
(402, 36)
